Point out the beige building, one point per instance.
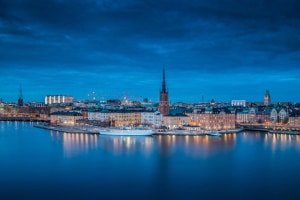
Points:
(118, 118)
(213, 121)
(175, 121)
(126, 118)
(242, 117)
(151, 118)
(65, 118)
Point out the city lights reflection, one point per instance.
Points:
(281, 141)
(196, 146)
(76, 144)
(119, 145)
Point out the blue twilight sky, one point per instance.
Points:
(221, 49)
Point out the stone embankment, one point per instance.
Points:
(69, 129)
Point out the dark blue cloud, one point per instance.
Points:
(214, 48)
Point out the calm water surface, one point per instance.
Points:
(43, 164)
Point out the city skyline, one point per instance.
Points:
(213, 49)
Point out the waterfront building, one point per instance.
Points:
(175, 121)
(241, 103)
(9, 110)
(58, 99)
(1, 108)
(263, 115)
(117, 117)
(151, 118)
(163, 106)
(65, 118)
(99, 115)
(125, 118)
(294, 118)
(279, 115)
(273, 115)
(283, 116)
(214, 119)
(242, 116)
(252, 115)
(267, 98)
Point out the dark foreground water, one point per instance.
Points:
(40, 164)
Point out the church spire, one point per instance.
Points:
(164, 89)
(20, 93)
(20, 99)
(163, 106)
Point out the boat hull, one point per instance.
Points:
(127, 132)
(214, 133)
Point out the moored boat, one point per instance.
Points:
(129, 131)
(214, 133)
(237, 130)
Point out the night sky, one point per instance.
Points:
(221, 49)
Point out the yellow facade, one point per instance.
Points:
(125, 118)
(209, 121)
(175, 121)
(64, 119)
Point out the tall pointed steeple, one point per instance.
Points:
(163, 107)
(20, 98)
(164, 89)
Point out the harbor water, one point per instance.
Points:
(44, 164)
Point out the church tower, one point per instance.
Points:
(163, 107)
(267, 98)
(20, 99)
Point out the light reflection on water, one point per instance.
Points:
(83, 166)
(194, 146)
(76, 144)
(281, 141)
(119, 145)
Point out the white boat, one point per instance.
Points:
(237, 130)
(214, 133)
(130, 131)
